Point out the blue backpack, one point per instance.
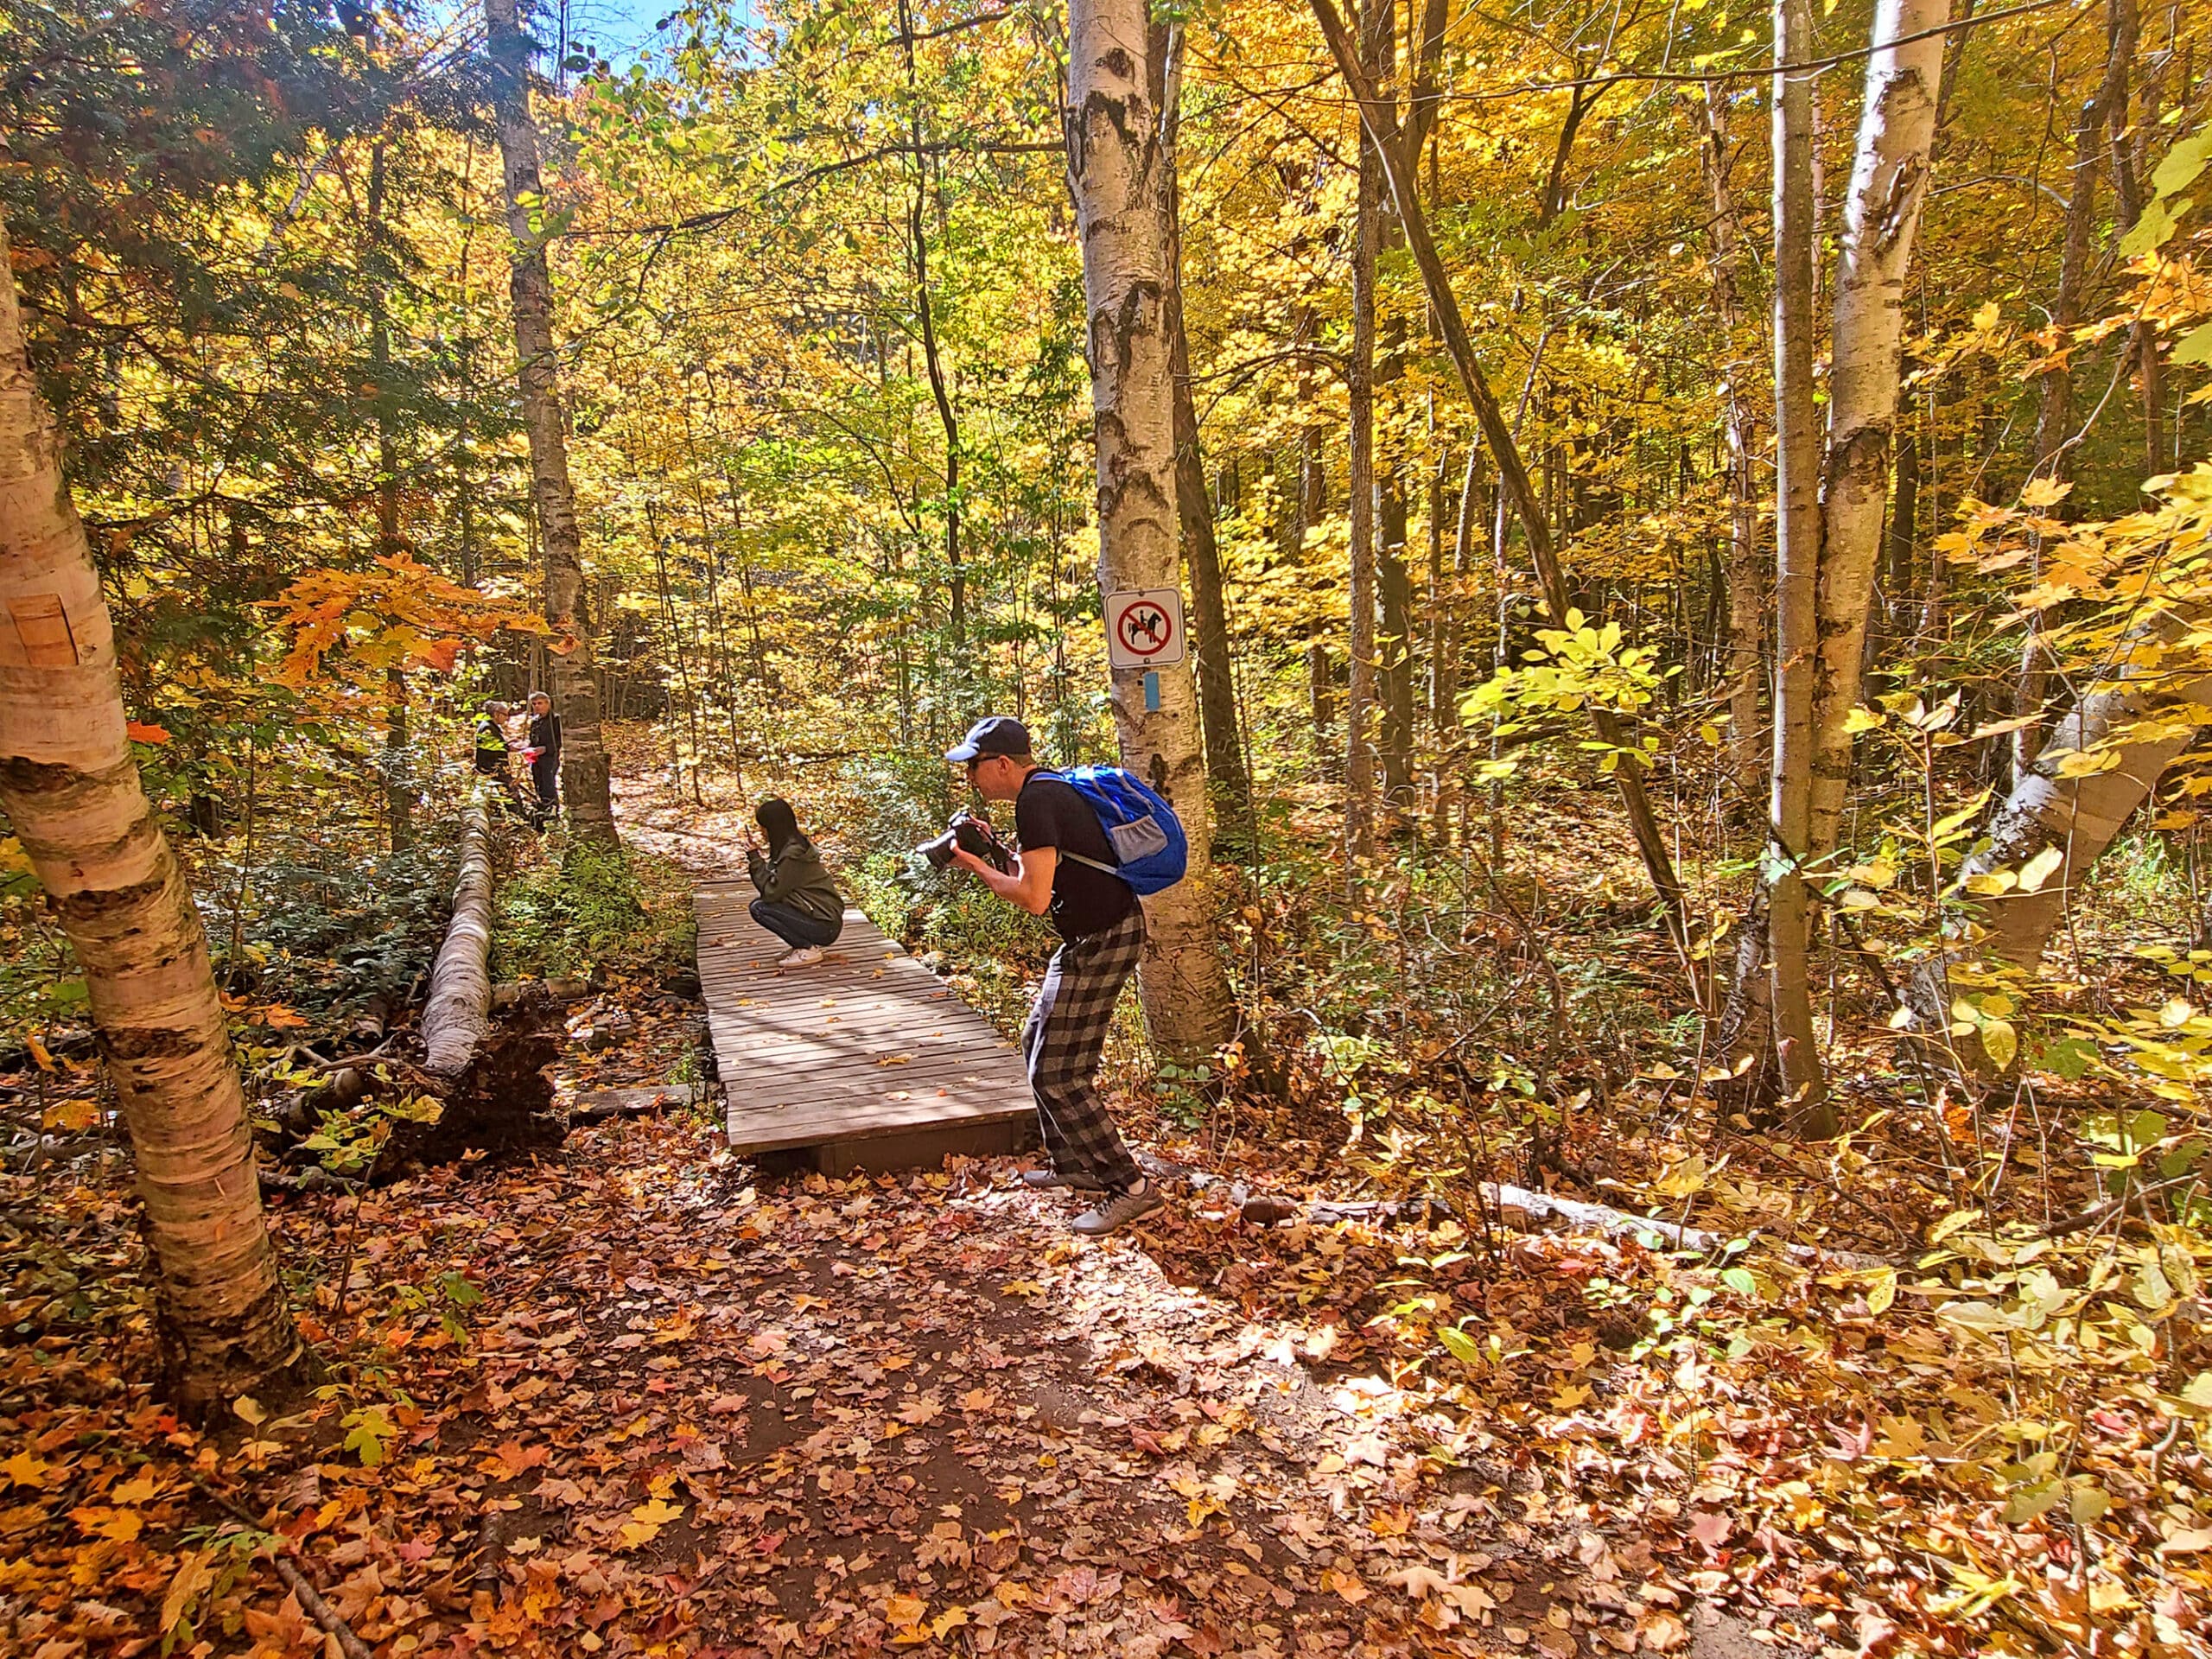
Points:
(1146, 835)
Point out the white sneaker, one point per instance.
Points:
(805, 955)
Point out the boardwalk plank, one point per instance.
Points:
(802, 1053)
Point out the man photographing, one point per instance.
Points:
(1061, 865)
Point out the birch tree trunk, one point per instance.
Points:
(1797, 563)
(574, 688)
(71, 789)
(1889, 182)
(2081, 816)
(457, 1016)
(1117, 174)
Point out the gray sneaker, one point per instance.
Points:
(1119, 1209)
(1052, 1180)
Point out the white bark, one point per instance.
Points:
(1889, 182)
(1117, 173)
(2082, 816)
(1797, 562)
(71, 789)
(458, 1017)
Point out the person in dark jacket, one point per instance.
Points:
(798, 903)
(492, 744)
(544, 753)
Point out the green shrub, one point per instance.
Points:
(598, 911)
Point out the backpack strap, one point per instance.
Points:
(1113, 870)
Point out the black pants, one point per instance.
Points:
(545, 777)
(795, 927)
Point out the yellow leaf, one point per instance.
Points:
(2037, 870)
(901, 1612)
(1999, 1042)
(121, 1525)
(1882, 1292)
(184, 1589)
(251, 1410)
(72, 1115)
(2045, 492)
(2080, 763)
(950, 1619)
(137, 1490)
(24, 1470)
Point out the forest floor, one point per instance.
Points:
(637, 1395)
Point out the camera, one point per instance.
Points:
(970, 834)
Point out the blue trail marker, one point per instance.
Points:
(1151, 692)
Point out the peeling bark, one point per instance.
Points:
(1889, 182)
(458, 1015)
(1116, 172)
(2082, 816)
(71, 789)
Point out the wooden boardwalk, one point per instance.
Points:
(867, 1059)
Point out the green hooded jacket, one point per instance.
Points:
(797, 877)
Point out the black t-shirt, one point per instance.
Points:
(1049, 813)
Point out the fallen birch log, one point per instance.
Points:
(1618, 1223)
(1517, 1206)
(458, 1016)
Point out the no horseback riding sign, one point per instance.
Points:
(1144, 627)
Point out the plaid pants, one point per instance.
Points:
(1062, 1041)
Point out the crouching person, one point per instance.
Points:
(798, 902)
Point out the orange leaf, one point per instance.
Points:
(438, 654)
(140, 732)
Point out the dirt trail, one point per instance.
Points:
(816, 1417)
